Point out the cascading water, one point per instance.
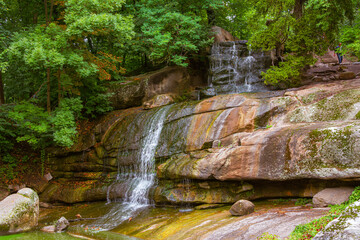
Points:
(138, 179)
(235, 69)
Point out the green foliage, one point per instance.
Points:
(172, 31)
(7, 167)
(234, 16)
(39, 129)
(64, 121)
(302, 201)
(288, 73)
(309, 230)
(97, 104)
(95, 17)
(301, 28)
(267, 236)
(6, 129)
(32, 125)
(355, 196)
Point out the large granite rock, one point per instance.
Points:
(241, 208)
(346, 226)
(170, 80)
(332, 196)
(305, 139)
(221, 35)
(20, 211)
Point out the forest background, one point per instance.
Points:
(58, 57)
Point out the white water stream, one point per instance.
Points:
(138, 179)
(234, 69)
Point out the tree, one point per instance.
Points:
(167, 32)
(302, 27)
(67, 47)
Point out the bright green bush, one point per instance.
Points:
(32, 124)
(64, 121)
(288, 73)
(309, 230)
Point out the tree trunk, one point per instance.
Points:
(59, 86)
(211, 16)
(2, 96)
(51, 10)
(35, 18)
(299, 8)
(48, 105)
(46, 13)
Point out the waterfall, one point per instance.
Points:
(138, 178)
(235, 69)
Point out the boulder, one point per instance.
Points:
(241, 208)
(221, 35)
(346, 75)
(45, 205)
(170, 80)
(61, 224)
(20, 211)
(332, 196)
(346, 226)
(158, 101)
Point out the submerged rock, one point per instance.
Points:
(332, 196)
(49, 229)
(208, 206)
(20, 211)
(241, 208)
(61, 224)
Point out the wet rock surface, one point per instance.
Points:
(308, 133)
(218, 223)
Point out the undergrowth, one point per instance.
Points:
(309, 230)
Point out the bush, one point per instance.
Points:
(64, 121)
(32, 124)
(288, 73)
(7, 134)
(309, 230)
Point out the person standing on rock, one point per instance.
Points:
(338, 53)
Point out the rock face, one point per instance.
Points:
(346, 226)
(221, 35)
(170, 80)
(229, 147)
(20, 211)
(332, 196)
(241, 208)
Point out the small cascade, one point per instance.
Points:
(186, 184)
(137, 179)
(235, 69)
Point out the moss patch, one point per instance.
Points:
(333, 108)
